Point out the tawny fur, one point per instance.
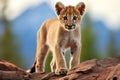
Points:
(58, 34)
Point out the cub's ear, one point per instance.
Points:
(59, 6)
(81, 7)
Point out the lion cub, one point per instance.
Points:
(57, 35)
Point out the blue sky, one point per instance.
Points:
(106, 10)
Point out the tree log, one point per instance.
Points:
(11, 75)
(106, 69)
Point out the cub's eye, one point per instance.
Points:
(74, 17)
(65, 17)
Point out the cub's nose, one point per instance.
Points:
(70, 26)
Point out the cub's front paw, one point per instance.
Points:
(61, 71)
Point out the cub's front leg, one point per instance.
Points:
(75, 55)
(60, 60)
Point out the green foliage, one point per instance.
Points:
(47, 63)
(111, 47)
(9, 46)
(67, 58)
(88, 41)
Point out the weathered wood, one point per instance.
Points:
(11, 75)
(106, 69)
(7, 66)
(84, 67)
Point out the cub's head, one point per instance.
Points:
(69, 16)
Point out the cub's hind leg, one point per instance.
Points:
(53, 64)
(41, 54)
(41, 51)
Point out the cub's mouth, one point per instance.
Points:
(70, 27)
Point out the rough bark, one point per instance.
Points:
(106, 69)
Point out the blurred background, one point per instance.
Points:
(20, 20)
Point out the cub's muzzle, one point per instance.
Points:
(69, 27)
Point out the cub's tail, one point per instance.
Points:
(32, 69)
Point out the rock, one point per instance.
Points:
(11, 75)
(106, 69)
(7, 66)
(84, 67)
(9, 71)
